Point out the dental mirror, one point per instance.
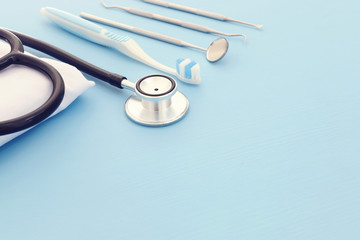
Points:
(217, 50)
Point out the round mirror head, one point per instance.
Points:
(217, 50)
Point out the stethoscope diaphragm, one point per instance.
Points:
(156, 102)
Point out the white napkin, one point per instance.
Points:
(23, 89)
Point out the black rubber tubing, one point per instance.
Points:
(101, 74)
(17, 56)
(50, 106)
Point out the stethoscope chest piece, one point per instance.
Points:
(156, 102)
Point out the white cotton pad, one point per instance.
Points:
(23, 89)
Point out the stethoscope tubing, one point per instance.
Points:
(99, 73)
(17, 56)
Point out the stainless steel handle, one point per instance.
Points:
(187, 9)
(169, 20)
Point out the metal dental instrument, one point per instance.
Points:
(174, 21)
(214, 52)
(198, 12)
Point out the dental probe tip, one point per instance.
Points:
(238, 35)
(228, 34)
(102, 2)
(254, 25)
(110, 6)
(246, 23)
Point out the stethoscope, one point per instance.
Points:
(155, 102)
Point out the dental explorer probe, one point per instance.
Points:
(174, 21)
(214, 52)
(198, 12)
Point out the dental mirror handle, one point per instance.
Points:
(139, 31)
(198, 12)
(169, 20)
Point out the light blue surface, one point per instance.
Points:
(268, 150)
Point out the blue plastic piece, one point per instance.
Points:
(188, 68)
(178, 62)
